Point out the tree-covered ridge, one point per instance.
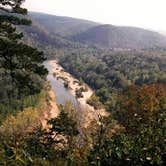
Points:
(119, 37)
(130, 84)
(68, 31)
(60, 25)
(21, 71)
(108, 71)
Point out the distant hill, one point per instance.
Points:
(61, 32)
(120, 37)
(50, 31)
(64, 26)
(38, 35)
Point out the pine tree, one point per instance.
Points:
(21, 70)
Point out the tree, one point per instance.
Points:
(140, 105)
(13, 134)
(103, 130)
(141, 140)
(21, 70)
(55, 144)
(142, 111)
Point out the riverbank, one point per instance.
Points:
(87, 112)
(50, 109)
(73, 83)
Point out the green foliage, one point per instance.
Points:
(15, 106)
(140, 105)
(134, 133)
(13, 133)
(103, 130)
(146, 147)
(24, 142)
(109, 72)
(63, 125)
(55, 145)
(21, 71)
(142, 141)
(95, 102)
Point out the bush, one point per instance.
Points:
(95, 102)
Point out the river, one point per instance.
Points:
(62, 94)
(86, 112)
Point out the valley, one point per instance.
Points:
(57, 76)
(75, 92)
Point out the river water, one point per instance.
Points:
(85, 112)
(62, 94)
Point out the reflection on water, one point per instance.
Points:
(62, 94)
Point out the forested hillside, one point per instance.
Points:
(49, 33)
(63, 26)
(112, 71)
(65, 31)
(123, 67)
(110, 36)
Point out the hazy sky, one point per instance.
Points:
(149, 14)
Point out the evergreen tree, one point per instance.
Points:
(21, 70)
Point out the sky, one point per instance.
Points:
(149, 14)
